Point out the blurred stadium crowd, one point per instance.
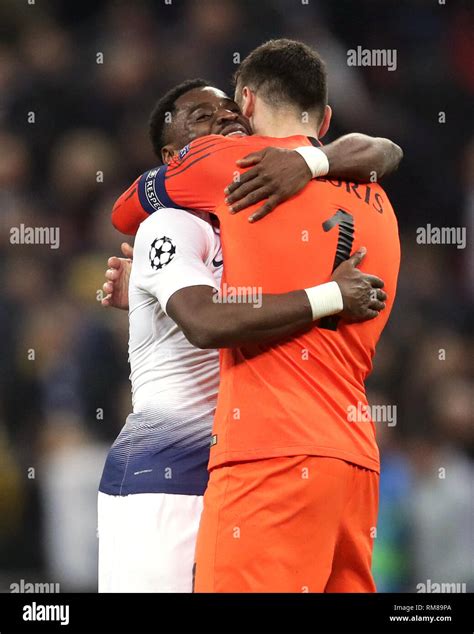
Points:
(64, 376)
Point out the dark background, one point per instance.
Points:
(64, 386)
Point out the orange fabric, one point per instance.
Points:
(305, 396)
(197, 179)
(315, 380)
(299, 524)
(296, 397)
(127, 212)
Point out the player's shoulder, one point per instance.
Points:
(176, 220)
(165, 216)
(213, 141)
(206, 144)
(351, 195)
(379, 191)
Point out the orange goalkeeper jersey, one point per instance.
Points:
(305, 395)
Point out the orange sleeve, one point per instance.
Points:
(195, 179)
(128, 213)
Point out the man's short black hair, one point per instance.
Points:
(286, 73)
(158, 119)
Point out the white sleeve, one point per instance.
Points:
(171, 250)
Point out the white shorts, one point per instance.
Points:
(147, 541)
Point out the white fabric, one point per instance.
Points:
(325, 299)
(147, 541)
(316, 160)
(166, 370)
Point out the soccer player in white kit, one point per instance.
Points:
(150, 496)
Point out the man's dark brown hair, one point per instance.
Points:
(285, 72)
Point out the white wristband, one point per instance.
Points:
(325, 299)
(315, 159)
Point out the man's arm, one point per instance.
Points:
(128, 211)
(195, 179)
(361, 158)
(198, 177)
(208, 322)
(171, 253)
(276, 174)
(356, 296)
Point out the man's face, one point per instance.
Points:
(200, 112)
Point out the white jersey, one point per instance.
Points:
(164, 445)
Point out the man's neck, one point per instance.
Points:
(284, 124)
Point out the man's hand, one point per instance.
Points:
(277, 174)
(362, 294)
(118, 276)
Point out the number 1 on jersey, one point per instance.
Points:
(345, 223)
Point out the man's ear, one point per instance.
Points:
(167, 154)
(324, 127)
(248, 102)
